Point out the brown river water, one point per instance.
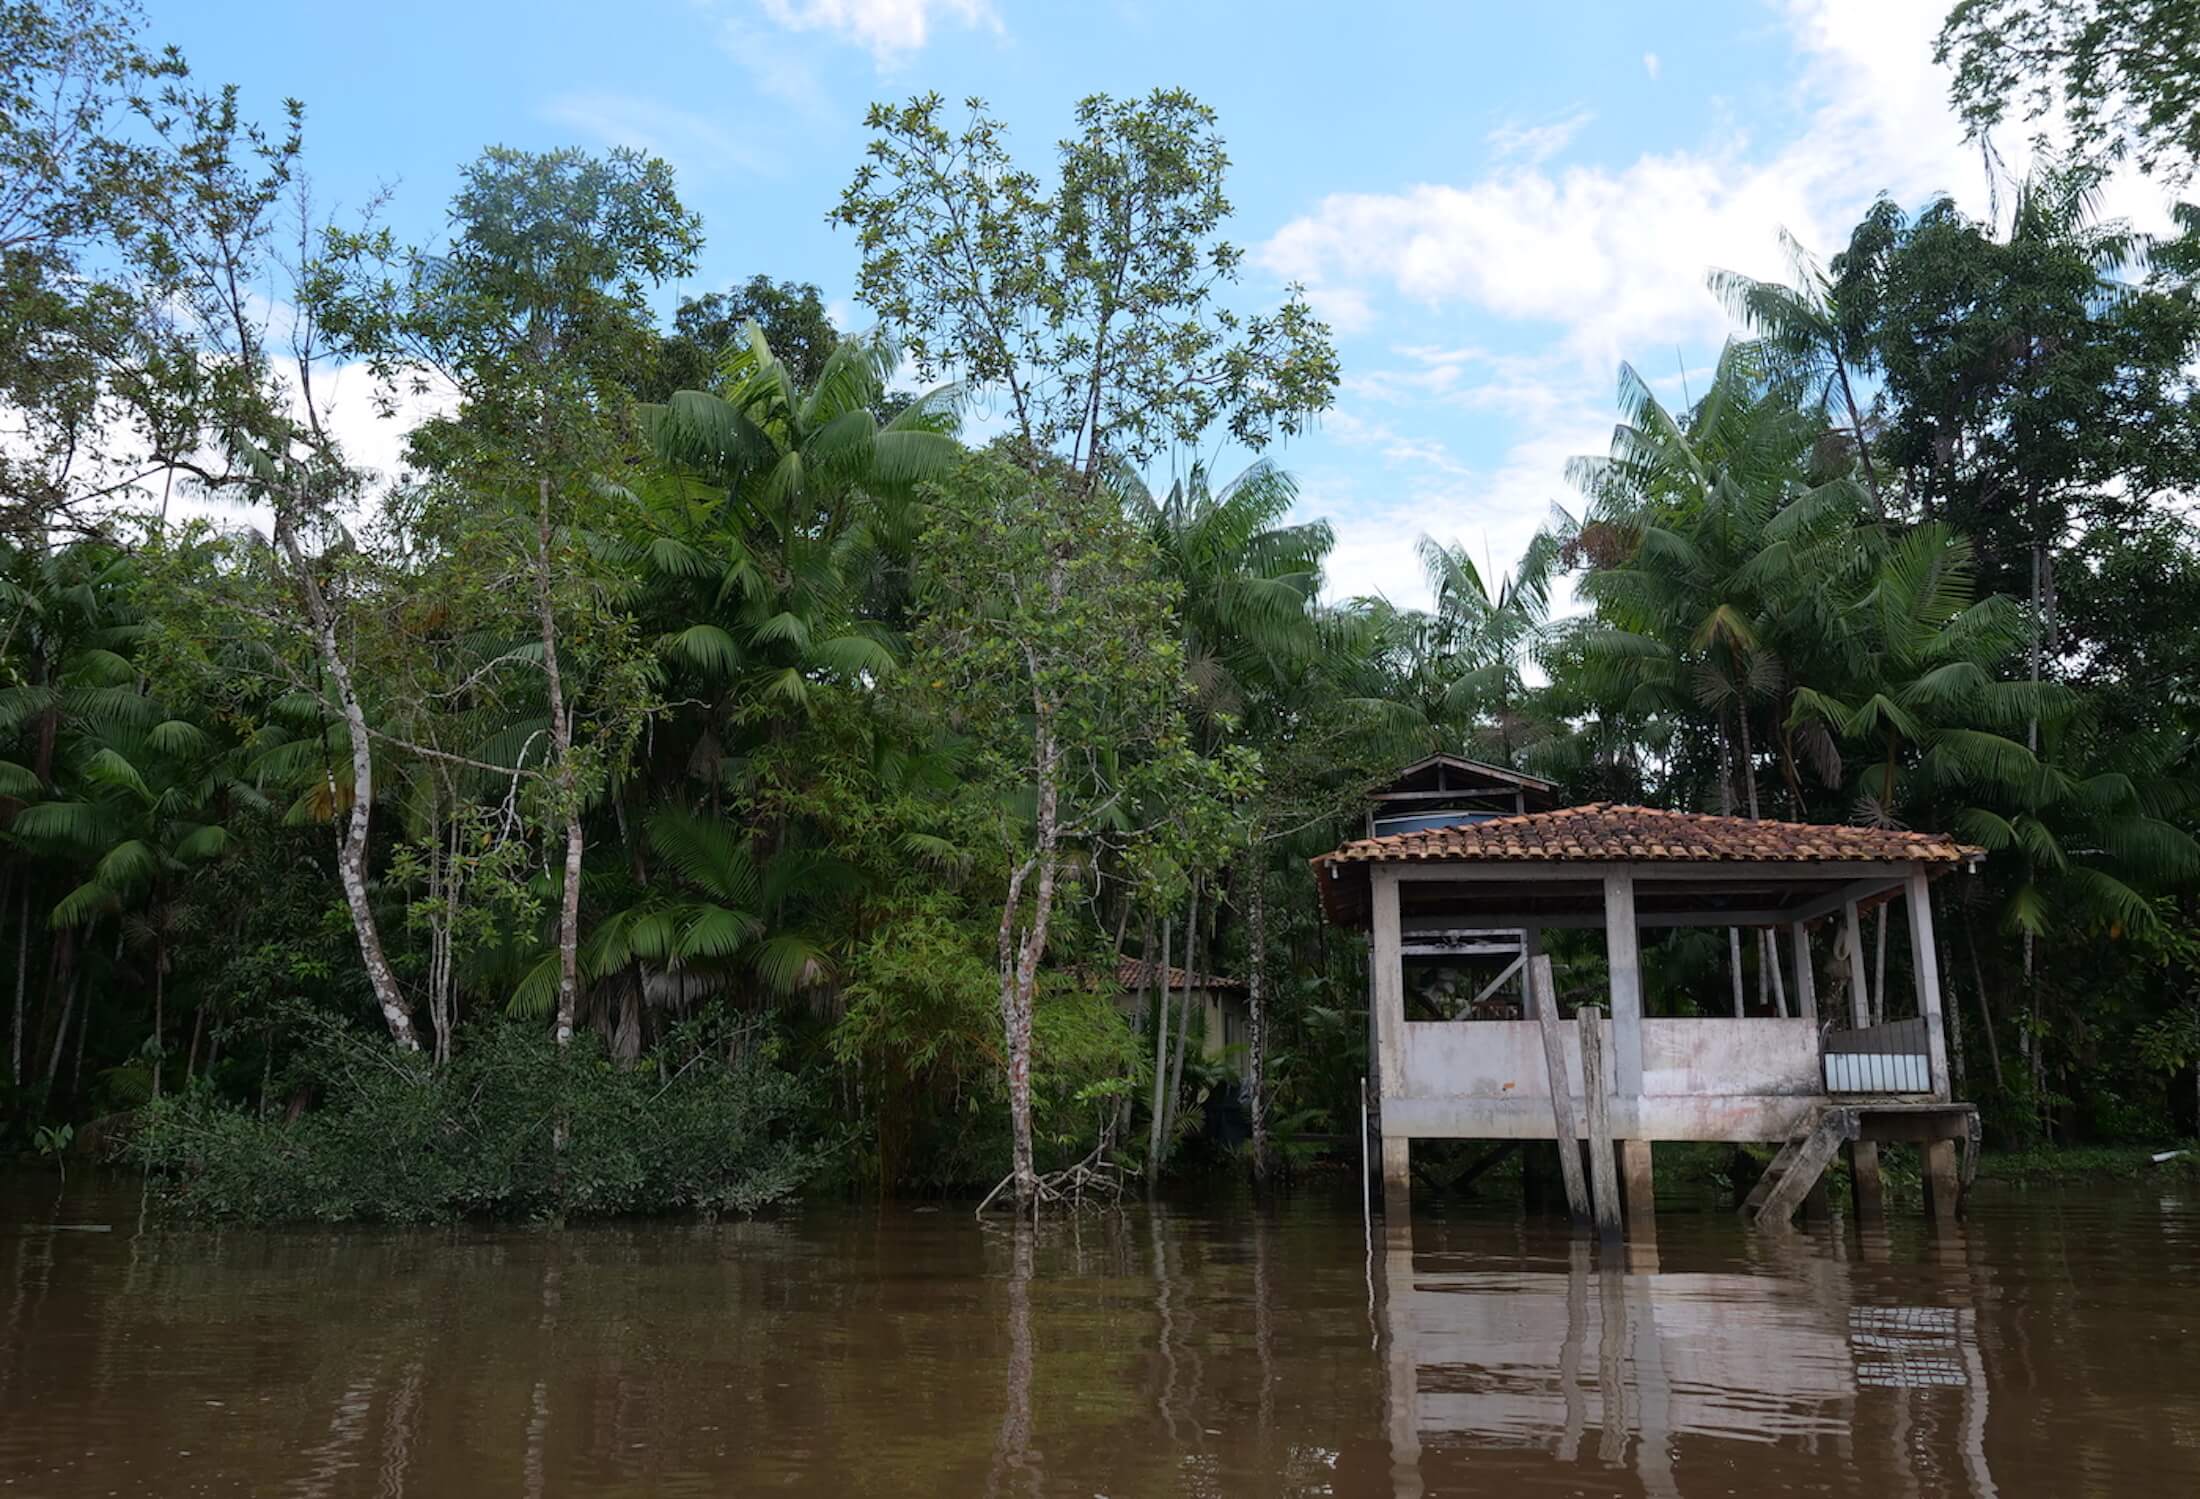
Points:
(2051, 1347)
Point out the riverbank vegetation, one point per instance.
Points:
(733, 752)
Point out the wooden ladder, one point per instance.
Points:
(1796, 1169)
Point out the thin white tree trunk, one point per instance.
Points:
(1160, 1055)
(1020, 960)
(561, 738)
(351, 851)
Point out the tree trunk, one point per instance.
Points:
(22, 961)
(1183, 1024)
(68, 1009)
(1019, 958)
(351, 850)
(160, 1019)
(191, 1057)
(1863, 449)
(1726, 809)
(1256, 1014)
(1771, 987)
(1951, 1016)
(1160, 1056)
(561, 739)
(1985, 1014)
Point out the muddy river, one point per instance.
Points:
(2051, 1347)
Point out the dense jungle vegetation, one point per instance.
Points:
(735, 751)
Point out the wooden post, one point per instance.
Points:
(1866, 1188)
(1634, 1175)
(1562, 1088)
(1531, 947)
(1940, 1182)
(1387, 1006)
(1925, 962)
(1852, 931)
(1625, 962)
(1596, 1094)
(1806, 975)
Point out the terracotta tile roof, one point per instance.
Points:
(1603, 831)
(1132, 974)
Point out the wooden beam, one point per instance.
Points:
(1855, 890)
(1624, 959)
(1926, 962)
(1562, 1089)
(1596, 1095)
(1528, 871)
(1588, 921)
(1852, 931)
(1806, 973)
(1494, 984)
(1458, 794)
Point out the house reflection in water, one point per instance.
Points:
(1652, 1373)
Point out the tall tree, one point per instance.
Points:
(536, 318)
(1097, 310)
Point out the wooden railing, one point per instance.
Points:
(1894, 1057)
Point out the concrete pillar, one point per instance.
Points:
(1636, 1186)
(1387, 1008)
(1864, 1180)
(1926, 962)
(1940, 1182)
(1624, 958)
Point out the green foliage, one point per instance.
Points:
(396, 1140)
(2124, 73)
(1099, 306)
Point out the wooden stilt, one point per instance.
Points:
(1562, 1088)
(1596, 1094)
(1869, 1191)
(1397, 1177)
(1635, 1179)
(1940, 1182)
(1818, 1204)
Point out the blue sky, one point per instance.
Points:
(1494, 203)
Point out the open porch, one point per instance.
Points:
(1500, 886)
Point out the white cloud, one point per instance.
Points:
(776, 66)
(698, 144)
(1536, 144)
(1599, 263)
(889, 29)
(1652, 66)
(1613, 257)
